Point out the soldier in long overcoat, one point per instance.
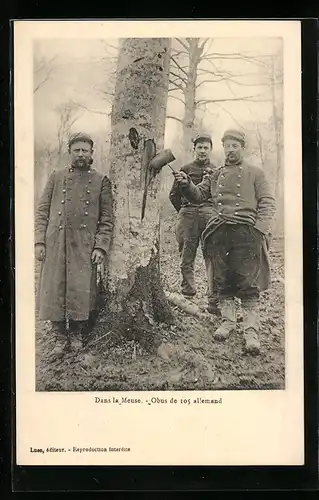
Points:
(73, 228)
(236, 236)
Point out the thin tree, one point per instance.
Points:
(194, 65)
(68, 114)
(42, 71)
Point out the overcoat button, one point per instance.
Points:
(60, 227)
(63, 190)
(87, 202)
(84, 225)
(62, 201)
(88, 191)
(60, 213)
(238, 194)
(86, 213)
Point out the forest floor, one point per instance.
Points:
(189, 358)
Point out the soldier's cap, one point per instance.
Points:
(203, 138)
(235, 134)
(80, 137)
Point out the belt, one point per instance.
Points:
(187, 204)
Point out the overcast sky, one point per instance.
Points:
(80, 66)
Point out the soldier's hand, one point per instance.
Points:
(39, 251)
(208, 171)
(97, 256)
(181, 178)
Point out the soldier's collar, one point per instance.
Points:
(203, 163)
(236, 164)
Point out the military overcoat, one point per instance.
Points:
(74, 216)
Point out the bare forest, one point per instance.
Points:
(166, 91)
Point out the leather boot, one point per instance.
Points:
(228, 312)
(213, 306)
(88, 326)
(251, 327)
(85, 330)
(61, 342)
(75, 334)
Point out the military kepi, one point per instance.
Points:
(80, 137)
(235, 134)
(203, 138)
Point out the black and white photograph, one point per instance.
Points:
(159, 277)
(159, 213)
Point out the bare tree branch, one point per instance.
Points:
(102, 91)
(230, 114)
(178, 85)
(46, 78)
(216, 72)
(45, 63)
(177, 98)
(203, 44)
(169, 117)
(178, 76)
(183, 44)
(207, 49)
(243, 98)
(219, 72)
(179, 66)
(179, 52)
(96, 111)
(231, 80)
(107, 45)
(220, 56)
(210, 81)
(175, 89)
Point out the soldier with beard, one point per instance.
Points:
(192, 219)
(237, 235)
(73, 227)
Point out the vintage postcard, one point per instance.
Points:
(158, 243)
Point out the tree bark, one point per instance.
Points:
(135, 296)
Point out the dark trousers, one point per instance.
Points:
(83, 327)
(191, 222)
(235, 250)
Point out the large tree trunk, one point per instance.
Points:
(135, 297)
